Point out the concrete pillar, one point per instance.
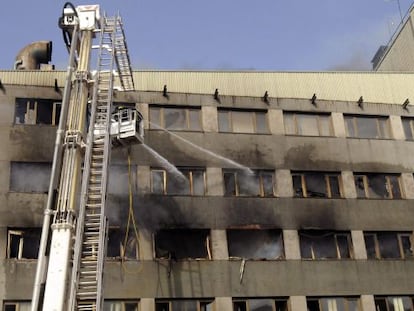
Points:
(209, 118)
(224, 304)
(145, 246)
(348, 185)
(214, 178)
(338, 124)
(368, 303)
(358, 243)
(3, 242)
(4, 176)
(144, 179)
(144, 109)
(147, 304)
(284, 185)
(397, 131)
(407, 184)
(219, 244)
(276, 124)
(298, 303)
(3, 247)
(291, 244)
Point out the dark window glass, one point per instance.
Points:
(315, 185)
(370, 245)
(162, 306)
(388, 245)
(297, 186)
(229, 184)
(239, 306)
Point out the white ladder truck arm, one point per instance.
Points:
(69, 274)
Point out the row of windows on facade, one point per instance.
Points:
(34, 177)
(352, 303)
(241, 243)
(44, 111)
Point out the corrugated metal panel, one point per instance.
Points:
(375, 87)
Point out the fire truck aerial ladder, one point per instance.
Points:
(69, 273)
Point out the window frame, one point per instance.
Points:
(199, 302)
(345, 299)
(410, 123)
(123, 303)
(388, 186)
(387, 304)
(187, 112)
(294, 117)
(34, 102)
(380, 133)
(328, 186)
(399, 236)
(261, 186)
(275, 301)
(185, 170)
(253, 117)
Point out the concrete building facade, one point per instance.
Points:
(280, 191)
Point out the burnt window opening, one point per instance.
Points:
(194, 183)
(307, 124)
(243, 121)
(121, 177)
(325, 244)
(241, 183)
(179, 244)
(317, 185)
(16, 306)
(408, 126)
(184, 304)
(120, 305)
(262, 304)
(175, 118)
(389, 245)
(30, 176)
(23, 243)
(378, 186)
(37, 111)
(375, 127)
(333, 304)
(393, 303)
(121, 245)
(255, 244)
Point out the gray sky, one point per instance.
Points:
(293, 35)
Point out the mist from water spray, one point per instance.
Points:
(170, 168)
(211, 153)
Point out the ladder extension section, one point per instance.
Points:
(91, 233)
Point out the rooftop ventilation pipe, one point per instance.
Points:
(34, 54)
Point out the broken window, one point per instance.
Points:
(307, 124)
(388, 245)
(37, 111)
(119, 179)
(260, 304)
(255, 244)
(408, 126)
(122, 245)
(333, 304)
(242, 121)
(378, 186)
(242, 183)
(193, 183)
(30, 176)
(120, 305)
(317, 185)
(184, 304)
(324, 244)
(23, 243)
(182, 244)
(393, 303)
(367, 126)
(175, 118)
(16, 306)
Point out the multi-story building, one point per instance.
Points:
(253, 191)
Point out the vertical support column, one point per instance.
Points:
(284, 185)
(407, 183)
(223, 304)
(145, 245)
(291, 244)
(338, 124)
(214, 181)
(358, 243)
(298, 303)
(368, 303)
(348, 185)
(219, 244)
(209, 119)
(144, 109)
(276, 124)
(397, 131)
(147, 304)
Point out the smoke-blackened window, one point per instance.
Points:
(243, 183)
(255, 244)
(262, 304)
(333, 304)
(182, 244)
(393, 303)
(324, 244)
(23, 243)
(317, 185)
(30, 176)
(378, 186)
(37, 111)
(191, 181)
(122, 244)
(389, 245)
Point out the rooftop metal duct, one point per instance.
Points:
(34, 54)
